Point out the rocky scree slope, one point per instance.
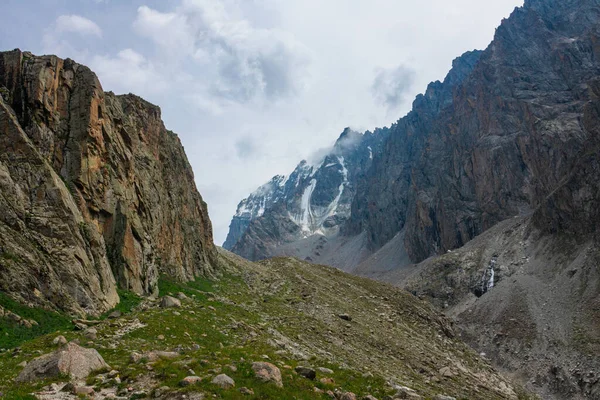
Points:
(96, 193)
(313, 201)
(345, 340)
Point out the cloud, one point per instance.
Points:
(246, 148)
(243, 63)
(128, 71)
(59, 37)
(391, 86)
(77, 24)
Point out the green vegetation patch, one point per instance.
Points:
(12, 334)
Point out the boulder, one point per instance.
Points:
(190, 380)
(72, 360)
(345, 317)
(306, 372)
(223, 381)
(170, 302)
(267, 372)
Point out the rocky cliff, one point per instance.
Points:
(97, 193)
(497, 144)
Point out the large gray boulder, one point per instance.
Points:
(72, 360)
(170, 302)
(267, 372)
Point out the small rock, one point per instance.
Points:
(26, 323)
(327, 381)
(348, 396)
(91, 334)
(267, 372)
(369, 397)
(161, 391)
(306, 372)
(83, 390)
(325, 371)
(68, 388)
(135, 358)
(170, 302)
(406, 393)
(115, 314)
(246, 391)
(181, 296)
(190, 380)
(23, 364)
(59, 340)
(443, 397)
(446, 372)
(223, 381)
(345, 317)
(161, 337)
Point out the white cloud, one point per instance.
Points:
(77, 24)
(129, 71)
(392, 86)
(241, 62)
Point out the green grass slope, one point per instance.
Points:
(286, 312)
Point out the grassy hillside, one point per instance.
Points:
(285, 312)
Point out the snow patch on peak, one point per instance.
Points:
(304, 216)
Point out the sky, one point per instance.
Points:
(252, 87)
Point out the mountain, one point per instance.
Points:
(313, 201)
(96, 192)
(484, 199)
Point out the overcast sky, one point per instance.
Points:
(254, 86)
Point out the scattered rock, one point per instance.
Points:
(190, 380)
(325, 371)
(73, 360)
(115, 314)
(369, 397)
(446, 372)
(170, 302)
(306, 372)
(181, 296)
(91, 334)
(267, 372)
(83, 390)
(223, 381)
(152, 356)
(345, 317)
(348, 396)
(59, 340)
(443, 397)
(406, 393)
(246, 391)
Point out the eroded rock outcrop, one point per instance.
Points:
(98, 187)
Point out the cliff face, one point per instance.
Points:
(501, 142)
(112, 167)
(314, 200)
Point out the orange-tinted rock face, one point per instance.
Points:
(128, 176)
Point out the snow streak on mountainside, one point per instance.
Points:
(313, 199)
